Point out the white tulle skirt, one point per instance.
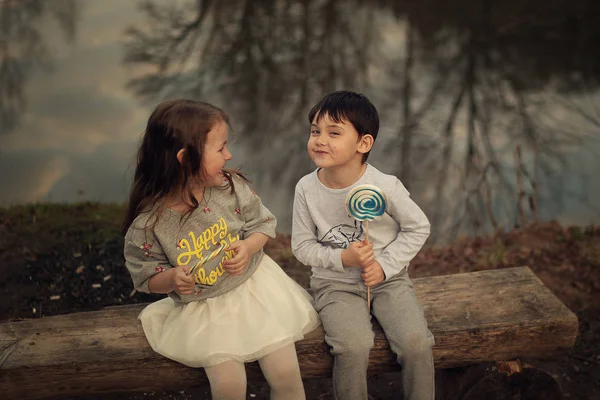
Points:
(263, 314)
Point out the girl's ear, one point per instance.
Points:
(180, 155)
(365, 143)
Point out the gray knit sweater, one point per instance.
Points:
(160, 239)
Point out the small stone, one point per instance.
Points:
(80, 269)
(55, 297)
(77, 255)
(107, 277)
(99, 268)
(96, 285)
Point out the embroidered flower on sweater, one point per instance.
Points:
(206, 210)
(238, 211)
(160, 269)
(146, 247)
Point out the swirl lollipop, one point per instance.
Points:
(366, 203)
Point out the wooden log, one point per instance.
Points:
(475, 317)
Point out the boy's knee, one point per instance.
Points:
(417, 344)
(357, 348)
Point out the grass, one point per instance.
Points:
(552, 251)
(38, 228)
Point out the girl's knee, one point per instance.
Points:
(286, 379)
(227, 381)
(282, 371)
(228, 389)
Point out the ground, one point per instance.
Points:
(57, 259)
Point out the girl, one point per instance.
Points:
(196, 231)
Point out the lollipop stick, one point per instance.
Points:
(364, 203)
(368, 288)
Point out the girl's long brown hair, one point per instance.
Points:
(172, 126)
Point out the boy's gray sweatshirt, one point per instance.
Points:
(322, 228)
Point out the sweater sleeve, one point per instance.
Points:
(305, 246)
(144, 257)
(257, 217)
(413, 232)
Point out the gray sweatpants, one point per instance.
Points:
(348, 331)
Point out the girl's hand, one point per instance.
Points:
(236, 266)
(182, 282)
(373, 274)
(358, 255)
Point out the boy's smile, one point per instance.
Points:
(334, 144)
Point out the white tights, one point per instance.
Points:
(280, 368)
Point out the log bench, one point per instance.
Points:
(477, 318)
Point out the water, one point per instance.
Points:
(458, 89)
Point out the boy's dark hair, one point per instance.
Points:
(349, 106)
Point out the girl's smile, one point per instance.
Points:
(215, 155)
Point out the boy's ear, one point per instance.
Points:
(180, 155)
(365, 143)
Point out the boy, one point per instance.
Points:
(344, 126)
